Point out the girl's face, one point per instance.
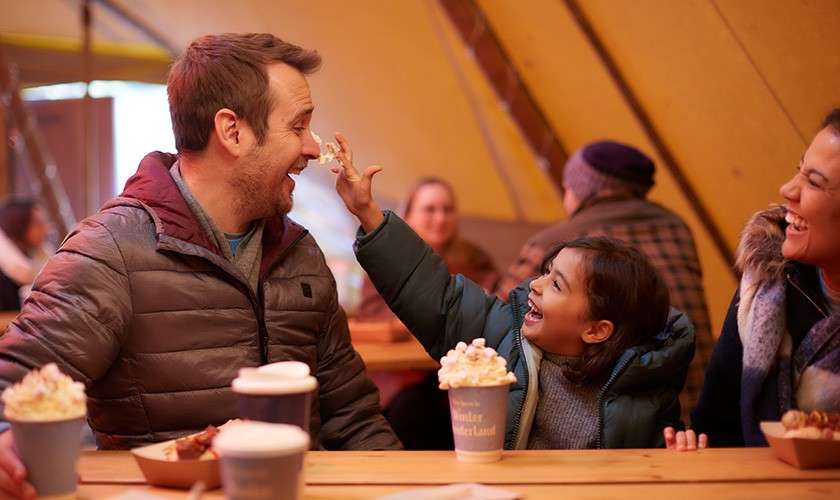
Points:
(813, 205)
(433, 216)
(558, 319)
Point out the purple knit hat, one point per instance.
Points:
(608, 166)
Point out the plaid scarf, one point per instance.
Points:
(774, 377)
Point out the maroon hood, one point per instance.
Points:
(153, 185)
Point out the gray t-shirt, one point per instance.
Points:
(246, 254)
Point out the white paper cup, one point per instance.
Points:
(262, 461)
(50, 452)
(479, 415)
(278, 393)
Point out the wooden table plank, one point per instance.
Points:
(405, 355)
(759, 491)
(517, 467)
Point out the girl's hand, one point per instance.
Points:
(355, 189)
(684, 440)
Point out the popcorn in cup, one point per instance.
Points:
(478, 381)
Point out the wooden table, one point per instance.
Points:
(642, 474)
(404, 355)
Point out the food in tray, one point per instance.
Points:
(329, 151)
(813, 425)
(198, 446)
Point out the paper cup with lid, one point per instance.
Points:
(277, 393)
(262, 461)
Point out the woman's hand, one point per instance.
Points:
(684, 440)
(356, 190)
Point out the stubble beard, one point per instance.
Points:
(258, 196)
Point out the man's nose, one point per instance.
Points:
(310, 148)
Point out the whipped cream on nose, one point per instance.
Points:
(329, 151)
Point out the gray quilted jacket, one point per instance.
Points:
(142, 308)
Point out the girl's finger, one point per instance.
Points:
(690, 440)
(669, 438)
(371, 171)
(681, 441)
(702, 442)
(345, 146)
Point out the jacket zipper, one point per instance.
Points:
(616, 372)
(812, 301)
(518, 345)
(260, 301)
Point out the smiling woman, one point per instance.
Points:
(780, 344)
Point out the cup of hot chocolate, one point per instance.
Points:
(262, 461)
(46, 411)
(478, 382)
(277, 393)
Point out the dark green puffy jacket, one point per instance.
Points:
(636, 403)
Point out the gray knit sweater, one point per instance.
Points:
(567, 412)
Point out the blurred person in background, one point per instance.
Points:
(605, 186)
(417, 410)
(23, 249)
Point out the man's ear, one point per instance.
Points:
(227, 128)
(598, 331)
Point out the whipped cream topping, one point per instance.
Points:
(45, 395)
(329, 151)
(473, 365)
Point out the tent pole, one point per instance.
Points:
(479, 37)
(49, 188)
(90, 141)
(147, 30)
(644, 120)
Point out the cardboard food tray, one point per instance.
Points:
(175, 473)
(802, 453)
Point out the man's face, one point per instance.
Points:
(263, 177)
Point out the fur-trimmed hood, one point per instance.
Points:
(759, 253)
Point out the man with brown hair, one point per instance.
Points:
(195, 270)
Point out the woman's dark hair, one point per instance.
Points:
(624, 288)
(832, 119)
(15, 217)
(426, 181)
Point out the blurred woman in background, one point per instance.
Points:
(417, 410)
(23, 235)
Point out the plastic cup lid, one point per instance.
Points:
(249, 439)
(276, 379)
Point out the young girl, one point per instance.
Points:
(599, 363)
